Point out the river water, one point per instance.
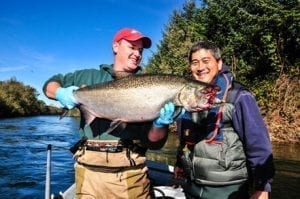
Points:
(23, 155)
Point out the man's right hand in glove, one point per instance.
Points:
(66, 96)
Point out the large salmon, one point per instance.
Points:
(139, 98)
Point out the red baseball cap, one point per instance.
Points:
(130, 34)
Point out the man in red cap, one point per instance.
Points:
(112, 165)
(128, 45)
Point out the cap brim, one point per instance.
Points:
(146, 40)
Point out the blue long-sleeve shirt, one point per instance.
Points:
(249, 124)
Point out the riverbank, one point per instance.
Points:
(282, 130)
(282, 113)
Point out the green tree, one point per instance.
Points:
(180, 33)
(260, 42)
(259, 38)
(16, 99)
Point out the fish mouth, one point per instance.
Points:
(209, 93)
(203, 106)
(205, 99)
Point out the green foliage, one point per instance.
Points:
(259, 39)
(16, 99)
(260, 43)
(182, 31)
(262, 34)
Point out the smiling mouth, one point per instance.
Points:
(201, 72)
(134, 61)
(201, 75)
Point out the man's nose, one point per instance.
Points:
(137, 53)
(200, 66)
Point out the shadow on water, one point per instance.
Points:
(287, 178)
(23, 154)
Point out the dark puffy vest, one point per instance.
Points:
(215, 163)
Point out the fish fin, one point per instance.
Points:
(116, 126)
(89, 119)
(88, 116)
(64, 113)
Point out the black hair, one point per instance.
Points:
(207, 45)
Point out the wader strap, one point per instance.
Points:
(78, 144)
(111, 169)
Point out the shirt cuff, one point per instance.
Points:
(266, 187)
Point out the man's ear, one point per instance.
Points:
(115, 47)
(220, 63)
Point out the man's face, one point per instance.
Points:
(204, 66)
(128, 55)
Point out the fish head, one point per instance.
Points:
(198, 96)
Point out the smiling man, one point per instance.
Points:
(112, 165)
(223, 148)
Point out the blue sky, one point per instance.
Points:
(40, 38)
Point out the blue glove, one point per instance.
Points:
(66, 97)
(166, 116)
